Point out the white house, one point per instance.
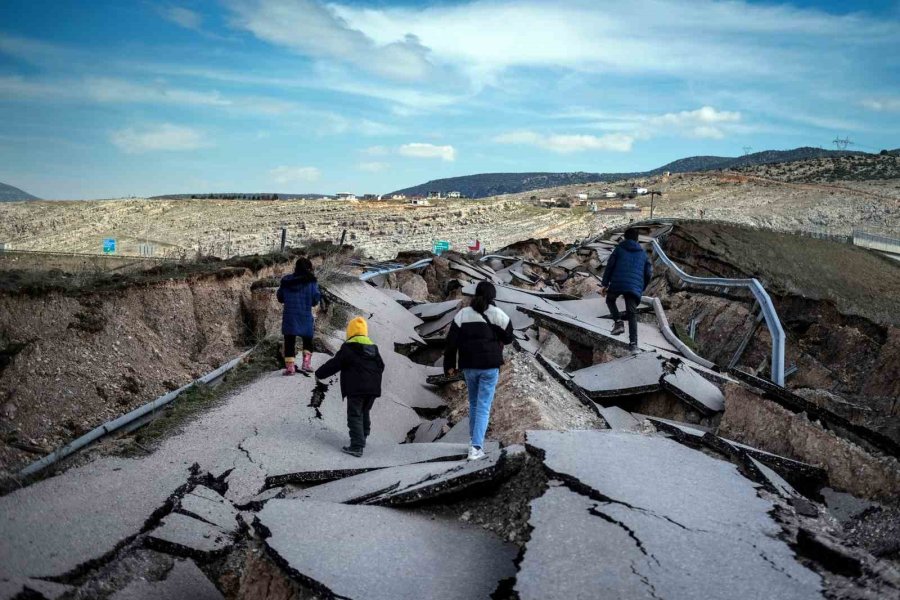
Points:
(581, 196)
(398, 197)
(419, 202)
(345, 196)
(630, 206)
(640, 191)
(609, 194)
(454, 194)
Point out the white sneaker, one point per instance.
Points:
(475, 453)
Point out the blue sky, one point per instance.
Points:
(110, 98)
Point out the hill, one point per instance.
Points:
(492, 184)
(239, 196)
(9, 193)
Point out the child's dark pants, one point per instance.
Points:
(290, 344)
(358, 408)
(631, 303)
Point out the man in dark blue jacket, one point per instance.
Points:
(627, 274)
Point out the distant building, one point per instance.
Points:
(398, 197)
(609, 194)
(640, 191)
(435, 195)
(630, 206)
(581, 196)
(419, 201)
(454, 194)
(345, 196)
(371, 197)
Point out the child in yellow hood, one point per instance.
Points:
(360, 365)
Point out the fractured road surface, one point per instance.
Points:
(659, 519)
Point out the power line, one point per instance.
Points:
(841, 144)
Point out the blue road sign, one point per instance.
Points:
(109, 246)
(440, 246)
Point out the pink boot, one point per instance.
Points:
(289, 367)
(307, 362)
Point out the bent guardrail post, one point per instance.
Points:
(759, 292)
(670, 335)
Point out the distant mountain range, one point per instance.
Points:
(491, 184)
(9, 193)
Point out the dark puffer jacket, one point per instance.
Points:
(360, 365)
(629, 270)
(477, 339)
(298, 293)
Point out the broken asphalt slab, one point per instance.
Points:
(207, 505)
(429, 431)
(693, 389)
(636, 374)
(186, 536)
(352, 551)
(646, 517)
(294, 454)
(410, 483)
(184, 581)
(429, 312)
(618, 418)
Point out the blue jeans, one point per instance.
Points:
(481, 384)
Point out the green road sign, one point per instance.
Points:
(439, 246)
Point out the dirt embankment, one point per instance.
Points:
(73, 359)
(839, 305)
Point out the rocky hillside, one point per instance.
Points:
(492, 184)
(828, 169)
(235, 227)
(9, 193)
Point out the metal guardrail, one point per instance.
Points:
(759, 292)
(126, 419)
(384, 271)
(134, 257)
(874, 241)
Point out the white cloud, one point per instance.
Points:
(373, 167)
(882, 104)
(285, 174)
(705, 122)
(106, 89)
(566, 143)
(420, 150)
(163, 137)
(376, 151)
(182, 17)
(689, 38)
(315, 30)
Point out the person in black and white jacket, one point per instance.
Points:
(476, 338)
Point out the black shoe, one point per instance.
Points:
(633, 347)
(618, 328)
(357, 452)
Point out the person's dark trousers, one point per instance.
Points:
(290, 345)
(631, 304)
(358, 408)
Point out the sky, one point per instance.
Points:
(112, 98)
